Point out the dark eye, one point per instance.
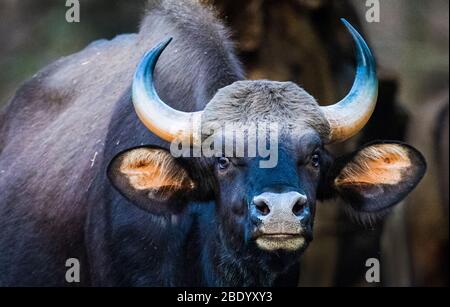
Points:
(315, 160)
(223, 162)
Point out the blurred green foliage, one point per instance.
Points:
(35, 33)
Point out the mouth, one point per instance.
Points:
(280, 235)
(280, 241)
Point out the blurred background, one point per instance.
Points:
(304, 41)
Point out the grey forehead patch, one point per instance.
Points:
(247, 102)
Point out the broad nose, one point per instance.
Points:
(270, 204)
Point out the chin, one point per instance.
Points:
(281, 243)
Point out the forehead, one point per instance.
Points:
(303, 141)
(264, 140)
(247, 103)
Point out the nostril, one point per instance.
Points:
(262, 207)
(298, 207)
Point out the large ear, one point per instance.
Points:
(377, 177)
(151, 178)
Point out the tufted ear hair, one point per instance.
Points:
(151, 178)
(376, 177)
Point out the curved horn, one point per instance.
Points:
(167, 123)
(349, 115)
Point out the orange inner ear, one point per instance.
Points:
(377, 164)
(154, 169)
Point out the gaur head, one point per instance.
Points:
(265, 207)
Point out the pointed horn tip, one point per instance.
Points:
(159, 47)
(350, 27)
(359, 40)
(152, 55)
(347, 24)
(163, 44)
(167, 40)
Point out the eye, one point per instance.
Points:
(223, 162)
(315, 160)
